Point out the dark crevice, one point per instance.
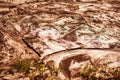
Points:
(80, 48)
(31, 47)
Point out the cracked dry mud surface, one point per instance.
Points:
(67, 35)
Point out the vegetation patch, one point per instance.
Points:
(100, 73)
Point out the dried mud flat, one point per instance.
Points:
(65, 34)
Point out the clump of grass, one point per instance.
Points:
(46, 71)
(100, 73)
(53, 71)
(41, 71)
(23, 66)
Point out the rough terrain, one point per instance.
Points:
(74, 36)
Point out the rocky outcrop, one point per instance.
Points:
(77, 26)
(76, 37)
